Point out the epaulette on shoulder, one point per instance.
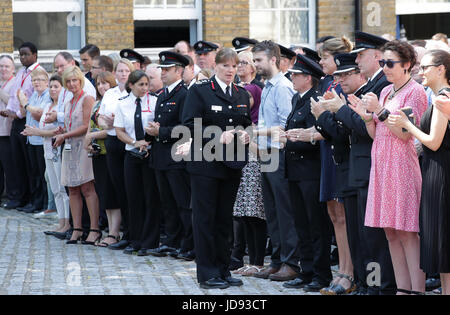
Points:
(203, 82)
(124, 97)
(237, 86)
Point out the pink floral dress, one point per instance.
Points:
(395, 178)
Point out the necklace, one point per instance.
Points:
(396, 91)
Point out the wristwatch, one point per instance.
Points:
(26, 105)
(133, 143)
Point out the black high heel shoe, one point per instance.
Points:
(96, 240)
(80, 239)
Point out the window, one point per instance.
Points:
(288, 22)
(404, 7)
(50, 24)
(169, 21)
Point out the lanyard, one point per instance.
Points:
(332, 85)
(72, 109)
(6, 82)
(148, 105)
(23, 79)
(64, 96)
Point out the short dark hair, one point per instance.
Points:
(404, 51)
(29, 45)
(134, 77)
(105, 62)
(270, 48)
(191, 61)
(91, 50)
(56, 77)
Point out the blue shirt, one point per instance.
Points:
(276, 105)
(38, 102)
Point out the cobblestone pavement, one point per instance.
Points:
(32, 263)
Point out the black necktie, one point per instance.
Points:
(227, 91)
(138, 128)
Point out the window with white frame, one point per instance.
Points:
(50, 24)
(288, 22)
(168, 20)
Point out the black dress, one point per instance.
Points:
(435, 204)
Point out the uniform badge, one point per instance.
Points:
(338, 63)
(238, 43)
(200, 45)
(216, 108)
(163, 58)
(125, 54)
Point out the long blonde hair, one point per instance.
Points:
(336, 46)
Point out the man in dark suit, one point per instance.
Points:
(171, 176)
(374, 240)
(351, 82)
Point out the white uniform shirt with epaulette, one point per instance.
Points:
(124, 116)
(109, 104)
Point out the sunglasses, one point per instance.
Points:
(389, 63)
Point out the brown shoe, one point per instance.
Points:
(286, 273)
(266, 272)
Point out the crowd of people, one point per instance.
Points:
(358, 132)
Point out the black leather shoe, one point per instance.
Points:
(13, 204)
(166, 249)
(29, 207)
(297, 283)
(188, 256)
(315, 286)
(156, 252)
(144, 252)
(432, 284)
(130, 250)
(119, 245)
(233, 281)
(61, 235)
(175, 253)
(215, 283)
(235, 264)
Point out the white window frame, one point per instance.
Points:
(424, 7)
(46, 56)
(167, 12)
(311, 22)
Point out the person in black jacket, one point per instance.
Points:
(372, 239)
(219, 106)
(171, 176)
(351, 82)
(303, 173)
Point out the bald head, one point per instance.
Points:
(154, 75)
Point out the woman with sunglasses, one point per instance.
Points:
(434, 134)
(395, 179)
(52, 158)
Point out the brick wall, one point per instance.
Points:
(110, 24)
(224, 20)
(378, 17)
(337, 18)
(6, 27)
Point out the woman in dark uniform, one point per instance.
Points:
(217, 102)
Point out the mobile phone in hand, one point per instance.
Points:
(408, 111)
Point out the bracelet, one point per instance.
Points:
(384, 115)
(367, 121)
(26, 105)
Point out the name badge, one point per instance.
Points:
(216, 108)
(67, 147)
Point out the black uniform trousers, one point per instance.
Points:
(280, 217)
(377, 250)
(175, 193)
(314, 233)
(143, 203)
(21, 161)
(115, 157)
(212, 218)
(7, 171)
(39, 195)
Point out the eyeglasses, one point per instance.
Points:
(424, 68)
(389, 63)
(344, 75)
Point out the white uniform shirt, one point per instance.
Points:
(110, 103)
(124, 116)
